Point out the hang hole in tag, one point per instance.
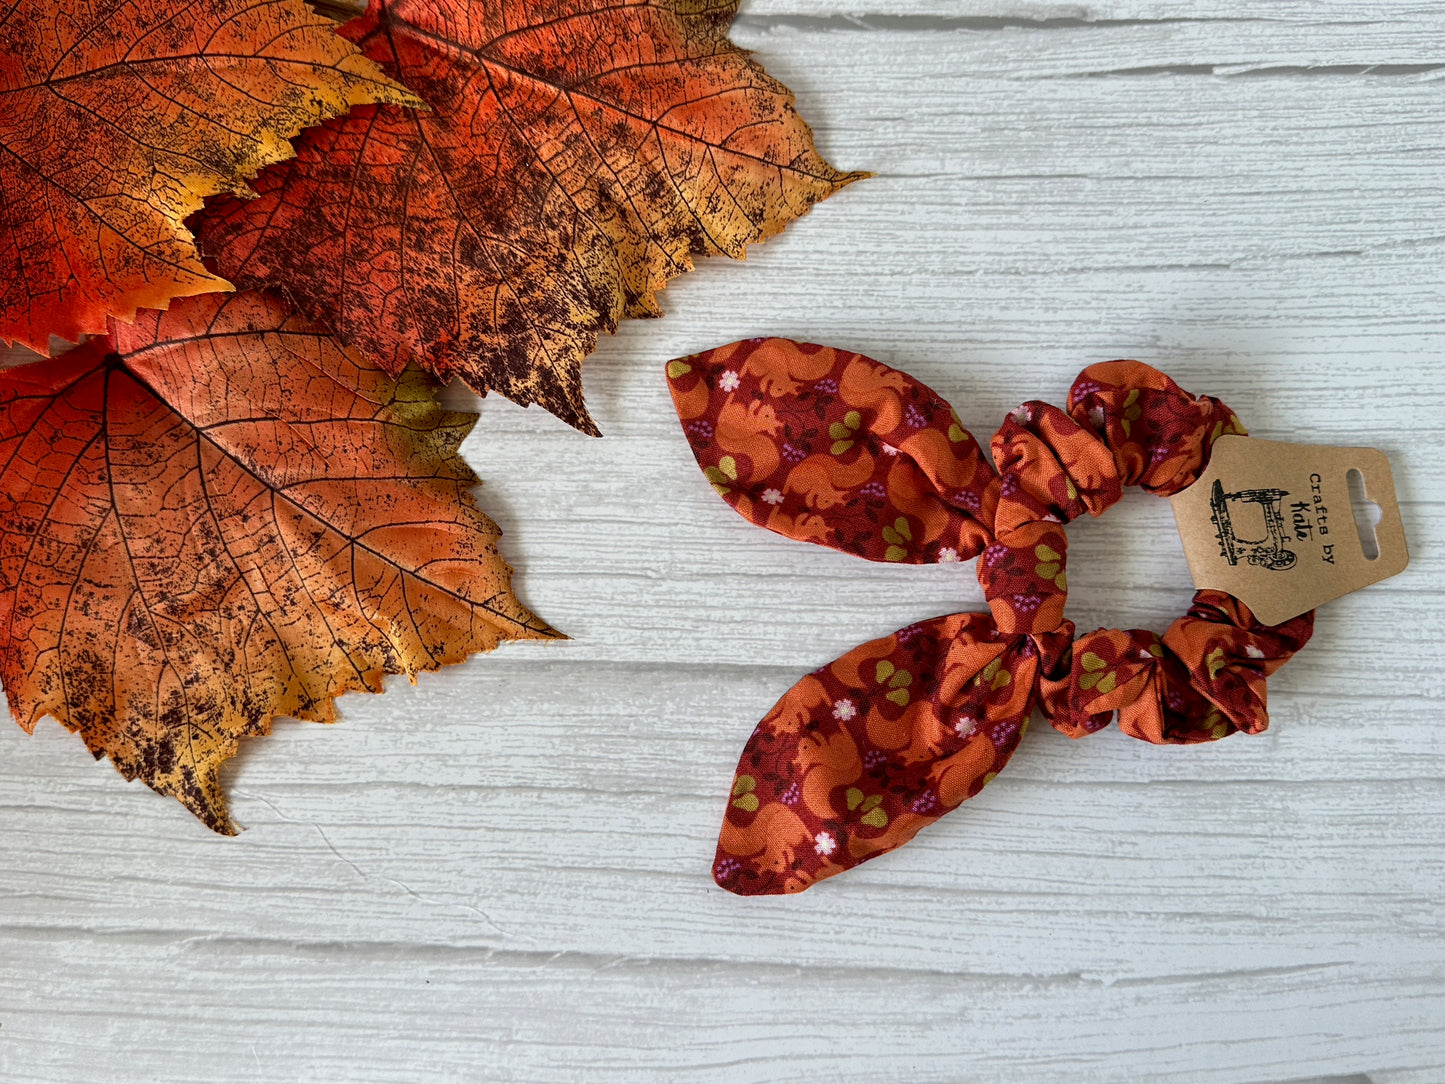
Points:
(1366, 512)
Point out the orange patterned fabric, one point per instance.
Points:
(834, 448)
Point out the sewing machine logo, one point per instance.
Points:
(1249, 512)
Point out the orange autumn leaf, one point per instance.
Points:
(576, 156)
(118, 118)
(221, 516)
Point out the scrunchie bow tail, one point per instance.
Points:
(831, 447)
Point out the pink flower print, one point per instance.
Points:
(728, 381)
(772, 496)
(824, 843)
(844, 710)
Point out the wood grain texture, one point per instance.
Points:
(503, 873)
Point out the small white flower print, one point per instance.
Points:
(1096, 416)
(1253, 652)
(824, 844)
(844, 710)
(947, 556)
(728, 381)
(887, 448)
(1022, 416)
(965, 726)
(772, 496)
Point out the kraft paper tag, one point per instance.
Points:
(1271, 524)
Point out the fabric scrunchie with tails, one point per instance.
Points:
(834, 448)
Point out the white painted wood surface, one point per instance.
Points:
(504, 873)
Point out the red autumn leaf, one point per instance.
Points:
(577, 155)
(118, 118)
(220, 517)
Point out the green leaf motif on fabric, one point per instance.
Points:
(1215, 662)
(1216, 724)
(896, 536)
(843, 433)
(897, 680)
(726, 471)
(743, 796)
(867, 806)
(1050, 566)
(1132, 410)
(899, 533)
(1094, 676)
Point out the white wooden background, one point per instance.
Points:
(504, 873)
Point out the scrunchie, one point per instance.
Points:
(834, 448)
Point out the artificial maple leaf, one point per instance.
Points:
(577, 155)
(221, 516)
(117, 119)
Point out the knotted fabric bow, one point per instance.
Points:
(831, 447)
